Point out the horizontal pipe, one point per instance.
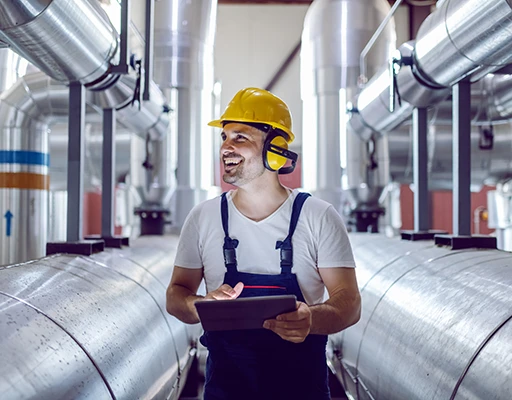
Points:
(449, 309)
(79, 47)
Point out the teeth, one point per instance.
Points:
(231, 161)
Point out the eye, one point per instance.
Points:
(223, 136)
(240, 138)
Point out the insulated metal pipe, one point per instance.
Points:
(68, 40)
(460, 38)
(334, 35)
(435, 323)
(94, 327)
(183, 69)
(27, 111)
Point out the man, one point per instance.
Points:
(241, 244)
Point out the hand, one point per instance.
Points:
(293, 326)
(225, 292)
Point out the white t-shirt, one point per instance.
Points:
(320, 240)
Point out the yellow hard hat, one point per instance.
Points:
(258, 106)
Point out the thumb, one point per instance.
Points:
(238, 289)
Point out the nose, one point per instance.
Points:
(226, 146)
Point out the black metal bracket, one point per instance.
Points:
(116, 242)
(414, 236)
(148, 50)
(466, 242)
(124, 62)
(82, 247)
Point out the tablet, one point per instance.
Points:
(244, 313)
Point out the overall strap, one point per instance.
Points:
(229, 244)
(286, 244)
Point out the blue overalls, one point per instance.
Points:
(258, 364)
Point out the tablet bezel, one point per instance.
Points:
(243, 313)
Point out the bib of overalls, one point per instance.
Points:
(257, 363)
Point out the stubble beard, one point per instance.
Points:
(241, 177)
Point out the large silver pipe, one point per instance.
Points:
(81, 47)
(435, 323)
(461, 38)
(335, 32)
(93, 327)
(68, 40)
(467, 36)
(183, 69)
(27, 111)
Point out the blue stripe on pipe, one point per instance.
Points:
(24, 157)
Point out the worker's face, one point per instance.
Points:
(241, 153)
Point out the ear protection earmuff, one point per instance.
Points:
(276, 153)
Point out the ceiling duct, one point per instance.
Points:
(81, 47)
(68, 40)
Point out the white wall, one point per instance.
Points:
(251, 44)
(253, 41)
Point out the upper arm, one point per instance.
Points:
(340, 281)
(189, 278)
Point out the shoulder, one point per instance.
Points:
(204, 209)
(314, 204)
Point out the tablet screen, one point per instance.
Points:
(244, 313)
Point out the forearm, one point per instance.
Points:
(340, 311)
(180, 303)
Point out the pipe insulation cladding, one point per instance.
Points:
(435, 323)
(76, 327)
(460, 39)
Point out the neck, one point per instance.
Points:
(259, 199)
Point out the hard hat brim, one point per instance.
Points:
(219, 123)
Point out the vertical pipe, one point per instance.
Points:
(461, 110)
(109, 162)
(76, 127)
(420, 176)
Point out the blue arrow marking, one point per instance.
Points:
(8, 217)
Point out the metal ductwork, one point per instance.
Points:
(183, 69)
(472, 37)
(491, 138)
(491, 155)
(94, 327)
(12, 66)
(81, 47)
(337, 162)
(435, 323)
(27, 111)
(68, 40)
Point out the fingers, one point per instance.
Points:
(294, 326)
(226, 292)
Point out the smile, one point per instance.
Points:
(231, 163)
